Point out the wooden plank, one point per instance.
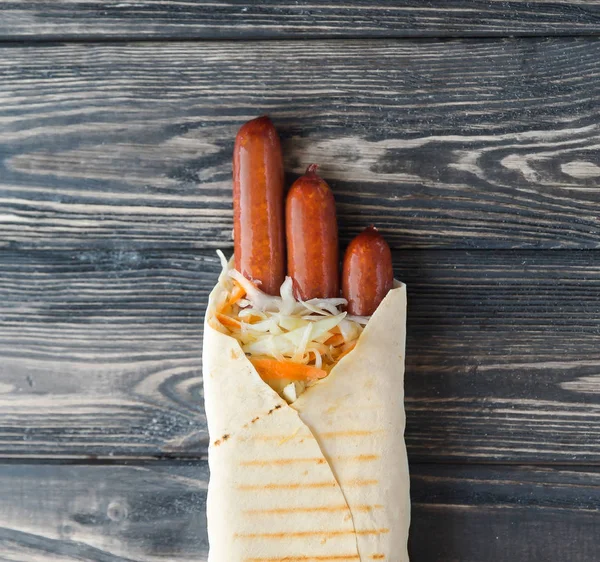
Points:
(461, 144)
(103, 513)
(504, 514)
(115, 513)
(100, 354)
(81, 19)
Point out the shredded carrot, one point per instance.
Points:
(336, 339)
(228, 321)
(347, 350)
(274, 369)
(216, 326)
(237, 293)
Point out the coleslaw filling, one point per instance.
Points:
(291, 343)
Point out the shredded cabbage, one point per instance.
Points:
(314, 333)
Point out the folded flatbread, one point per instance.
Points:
(323, 479)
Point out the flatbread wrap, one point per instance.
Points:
(324, 478)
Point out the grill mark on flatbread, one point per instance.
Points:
(301, 534)
(290, 486)
(306, 558)
(314, 460)
(297, 485)
(358, 483)
(325, 435)
(285, 510)
(377, 556)
(222, 440)
(254, 420)
(282, 438)
(350, 433)
(358, 458)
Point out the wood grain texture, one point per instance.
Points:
(152, 512)
(103, 513)
(456, 144)
(476, 514)
(82, 19)
(100, 354)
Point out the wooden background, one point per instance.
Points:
(468, 131)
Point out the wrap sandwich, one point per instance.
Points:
(322, 478)
(303, 377)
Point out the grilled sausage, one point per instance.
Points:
(312, 238)
(258, 205)
(367, 273)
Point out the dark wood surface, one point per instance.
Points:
(218, 19)
(460, 144)
(155, 511)
(477, 156)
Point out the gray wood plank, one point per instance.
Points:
(457, 144)
(100, 354)
(103, 513)
(152, 512)
(80, 19)
(476, 514)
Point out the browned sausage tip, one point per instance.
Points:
(312, 238)
(367, 272)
